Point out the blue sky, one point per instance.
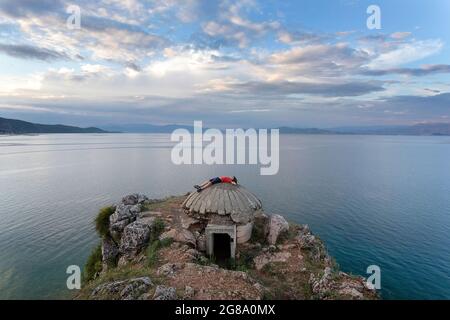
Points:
(310, 63)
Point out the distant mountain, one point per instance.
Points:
(145, 128)
(150, 128)
(423, 129)
(414, 130)
(289, 130)
(11, 126)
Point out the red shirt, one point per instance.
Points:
(226, 179)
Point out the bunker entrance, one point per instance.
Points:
(222, 247)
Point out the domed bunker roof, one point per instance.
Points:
(223, 199)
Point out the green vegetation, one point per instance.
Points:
(156, 244)
(244, 263)
(153, 248)
(157, 228)
(102, 221)
(93, 264)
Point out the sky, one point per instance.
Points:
(228, 63)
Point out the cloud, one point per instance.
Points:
(231, 27)
(419, 72)
(301, 37)
(348, 89)
(225, 61)
(31, 52)
(24, 8)
(406, 53)
(400, 35)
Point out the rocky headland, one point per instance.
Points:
(149, 250)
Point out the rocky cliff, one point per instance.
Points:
(148, 252)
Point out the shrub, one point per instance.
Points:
(102, 221)
(93, 264)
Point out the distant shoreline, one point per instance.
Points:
(19, 127)
(282, 133)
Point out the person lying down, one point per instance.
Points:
(216, 180)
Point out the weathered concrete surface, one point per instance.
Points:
(224, 199)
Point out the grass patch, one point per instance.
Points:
(152, 250)
(160, 204)
(157, 229)
(93, 264)
(102, 221)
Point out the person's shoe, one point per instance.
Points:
(199, 190)
(197, 186)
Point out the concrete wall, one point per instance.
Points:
(244, 232)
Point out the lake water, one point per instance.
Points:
(373, 199)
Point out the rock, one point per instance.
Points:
(168, 269)
(305, 239)
(149, 221)
(108, 290)
(201, 243)
(124, 290)
(135, 288)
(189, 293)
(165, 293)
(134, 238)
(145, 296)
(269, 257)
(351, 292)
(277, 225)
(321, 286)
(110, 251)
(116, 228)
(187, 222)
(134, 199)
(181, 235)
(124, 215)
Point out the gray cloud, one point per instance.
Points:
(31, 52)
(23, 8)
(418, 72)
(349, 89)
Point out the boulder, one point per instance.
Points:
(165, 293)
(134, 238)
(187, 221)
(110, 251)
(124, 215)
(168, 269)
(134, 199)
(180, 235)
(124, 290)
(135, 288)
(277, 225)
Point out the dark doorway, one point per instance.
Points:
(222, 247)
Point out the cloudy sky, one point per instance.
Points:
(308, 63)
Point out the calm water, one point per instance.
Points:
(374, 200)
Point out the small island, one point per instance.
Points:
(213, 245)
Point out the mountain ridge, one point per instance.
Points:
(13, 126)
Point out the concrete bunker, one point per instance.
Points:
(222, 217)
